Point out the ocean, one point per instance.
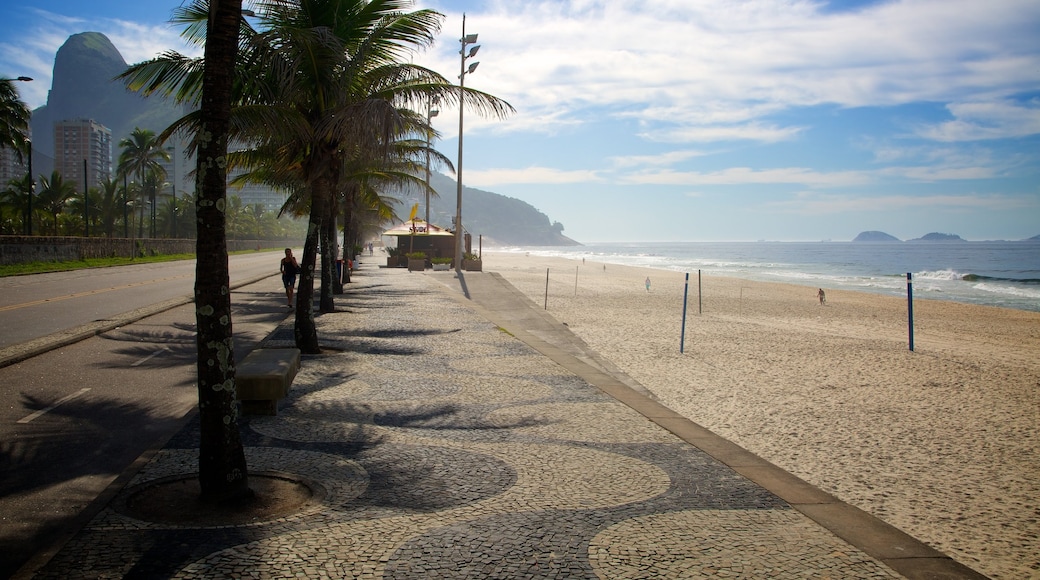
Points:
(1004, 274)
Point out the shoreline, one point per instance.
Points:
(940, 442)
(954, 278)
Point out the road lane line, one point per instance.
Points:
(28, 418)
(149, 357)
(92, 292)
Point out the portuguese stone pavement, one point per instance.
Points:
(439, 445)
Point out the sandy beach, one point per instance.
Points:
(941, 442)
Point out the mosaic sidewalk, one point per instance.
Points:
(442, 446)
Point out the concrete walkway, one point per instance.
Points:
(453, 430)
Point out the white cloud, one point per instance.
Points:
(530, 175)
(979, 121)
(748, 176)
(712, 69)
(705, 133)
(939, 173)
(663, 159)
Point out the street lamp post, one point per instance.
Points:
(86, 202)
(463, 71)
(32, 189)
(430, 114)
(32, 181)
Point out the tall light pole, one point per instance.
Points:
(430, 114)
(463, 71)
(32, 181)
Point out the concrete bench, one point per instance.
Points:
(264, 378)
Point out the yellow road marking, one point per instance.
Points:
(91, 292)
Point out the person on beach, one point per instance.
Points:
(822, 296)
(648, 283)
(289, 269)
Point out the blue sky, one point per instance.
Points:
(702, 120)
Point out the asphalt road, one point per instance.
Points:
(42, 304)
(74, 418)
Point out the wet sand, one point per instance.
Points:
(940, 442)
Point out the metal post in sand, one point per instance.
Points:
(910, 308)
(682, 335)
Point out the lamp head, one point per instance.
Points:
(473, 51)
(472, 67)
(469, 39)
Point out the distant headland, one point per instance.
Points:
(875, 236)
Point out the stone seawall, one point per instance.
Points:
(25, 249)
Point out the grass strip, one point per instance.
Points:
(43, 267)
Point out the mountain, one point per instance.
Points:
(83, 89)
(1035, 238)
(937, 237)
(875, 237)
(494, 218)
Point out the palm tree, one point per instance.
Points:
(14, 131)
(110, 208)
(208, 83)
(321, 79)
(142, 151)
(338, 80)
(222, 465)
(95, 199)
(54, 194)
(153, 183)
(14, 120)
(15, 197)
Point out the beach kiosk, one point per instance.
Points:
(418, 236)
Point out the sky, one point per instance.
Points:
(706, 120)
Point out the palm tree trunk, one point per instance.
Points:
(304, 329)
(222, 464)
(328, 265)
(348, 227)
(328, 261)
(337, 280)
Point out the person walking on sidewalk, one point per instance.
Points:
(289, 269)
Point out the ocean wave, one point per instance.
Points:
(1008, 290)
(940, 275)
(980, 278)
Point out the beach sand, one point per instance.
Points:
(940, 442)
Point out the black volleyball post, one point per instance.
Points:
(682, 333)
(910, 307)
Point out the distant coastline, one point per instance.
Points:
(1005, 274)
(878, 236)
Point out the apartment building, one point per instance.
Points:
(79, 143)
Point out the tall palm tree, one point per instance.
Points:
(209, 84)
(54, 194)
(338, 68)
(141, 154)
(317, 80)
(222, 465)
